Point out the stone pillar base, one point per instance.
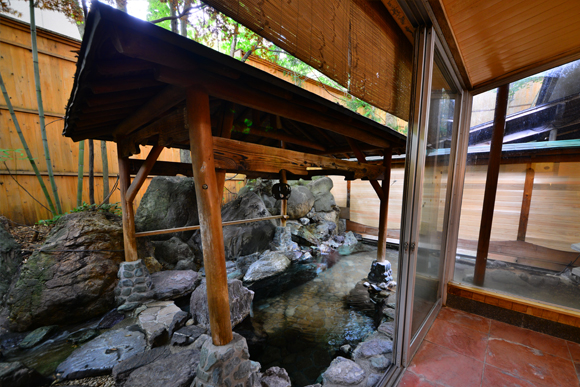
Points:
(380, 273)
(134, 286)
(227, 365)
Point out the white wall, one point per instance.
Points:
(51, 20)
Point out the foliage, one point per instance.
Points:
(114, 208)
(524, 83)
(6, 154)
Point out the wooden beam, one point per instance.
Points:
(193, 228)
(399, 15)
(238, 156)
(526, 203)
(283, 202)
(162, 102)
(491, 184)
(115, 85)
(244, 95)
(210, 218)
(384, 208)
(276, 135)
(143, 173)
(128, 216)
(362, 159)
(162, 168)
(123, 66)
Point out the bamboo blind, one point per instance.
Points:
(355, 43)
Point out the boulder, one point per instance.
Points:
(172, 284)
(169, 202)
(10, 259)
(59, 284)
(123, 369)
(295, 275)
(110, 319)
(269, 264)
(351, 245)
(275, 377)
(176, 370)
(240, 303)
(99, 356)
(244, 263)
(248, 238)
(300, 202)
(187, 335)
(157, 321)
(37, 336)
(323, 199)
(174, 253)
(17, 374)
(343, 372)
(320, 186)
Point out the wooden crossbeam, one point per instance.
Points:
(238, 156)
(193, 228)
(144, 170)
(361, 158)
(277, 136)
(157, 105)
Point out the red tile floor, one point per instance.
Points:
(464, 350)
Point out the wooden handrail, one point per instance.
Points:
(191, 228)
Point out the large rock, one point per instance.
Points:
(240, 303)
(122, 370)
(295, 275)
(176, 254)
(18, 375)
(275, 377)
(157, 321)
(169, 202)
(99, 356)
(176, 370)
(172, 284)
(248, 238)
(323, 199)
(37, 336)
(300, 202)
(269, 264)
(57, 285)
(343, 372)
(10, 259)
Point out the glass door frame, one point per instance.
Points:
(427, 42)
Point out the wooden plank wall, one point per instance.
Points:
(57, 67)
(554, 212)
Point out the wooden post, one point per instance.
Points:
(226, 132)
(526, 203)
(384, 209)
(129, 239)
(491, 184)
(210, 218)
(284, 202)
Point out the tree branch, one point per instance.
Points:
(185, 12)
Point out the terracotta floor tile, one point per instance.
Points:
(548, 344)
(444, 366)
(531, 364)
(458, 338)
(574, 351)
(494, 377)
(412, 380)
(469, 320)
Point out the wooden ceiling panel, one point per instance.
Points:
(496, 38)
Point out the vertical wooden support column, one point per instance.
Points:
(226, 132)
(210, 218)
(129, 239)
(491, 184)
(526, 203)
(384, 209)
(284, 202)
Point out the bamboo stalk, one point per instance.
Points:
(26, 149)
(81, 173)
(91, 171)
(105, 162)
(41, 107)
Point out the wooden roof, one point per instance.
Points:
(494, 39)
(130, 87)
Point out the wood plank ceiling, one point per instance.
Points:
(496, 38)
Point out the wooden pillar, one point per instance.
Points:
(348, 194)
(226, 132)
(526, 203)
(284, 202)
(129, 239)
(384, 208)
(210, 218)
(491, 184)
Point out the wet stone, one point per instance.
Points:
(127, 283)
(127, 274)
